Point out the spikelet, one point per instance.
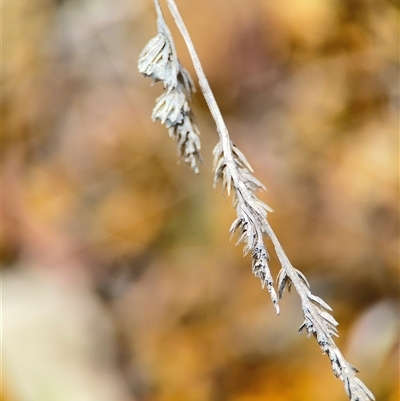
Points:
(159, 62)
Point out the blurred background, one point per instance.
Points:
(119, 281)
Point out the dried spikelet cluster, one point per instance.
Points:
(322, 325)
(250, 210)
(236, 175)
(158, 61)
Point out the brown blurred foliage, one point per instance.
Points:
(119, 280)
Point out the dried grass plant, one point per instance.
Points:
(159, 61)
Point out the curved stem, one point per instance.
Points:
(211, 102)
(203, 82)
(158, 9)
(163, 25)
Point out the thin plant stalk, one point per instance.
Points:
(252, 225)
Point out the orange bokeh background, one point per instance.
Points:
(119, 281)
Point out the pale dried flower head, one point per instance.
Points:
(159, 61)
(156, 61)
(186, 135)
(170, 108)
